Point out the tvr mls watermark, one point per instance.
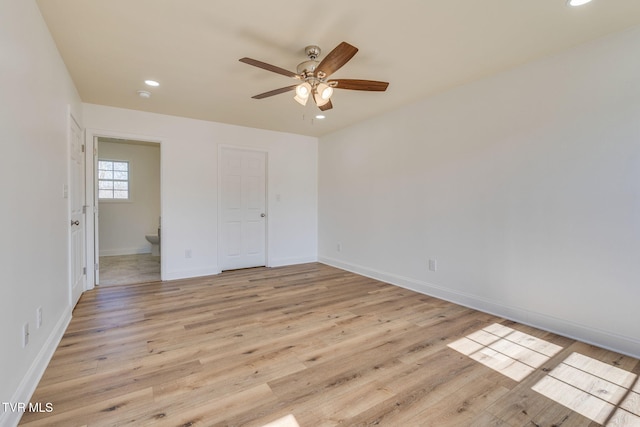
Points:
(27, 407)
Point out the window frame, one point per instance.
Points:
(129, 198)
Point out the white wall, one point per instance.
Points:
(36, 93)
(123, 224)
(189, 157)
(525, 187)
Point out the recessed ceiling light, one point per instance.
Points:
(151, 83)
(577, 2)
(144, 94)
(320, 116)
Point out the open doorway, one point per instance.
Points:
(128, 228)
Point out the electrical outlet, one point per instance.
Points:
(433, 265)
(38, 317)
(187, 253)
(25, 335)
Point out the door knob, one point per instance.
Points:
(76, 222)
(262, 215)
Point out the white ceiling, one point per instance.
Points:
(192, 48)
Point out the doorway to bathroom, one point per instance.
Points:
(128, 225)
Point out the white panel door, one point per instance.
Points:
(242, 208)
(77, 255)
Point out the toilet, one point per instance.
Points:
(154, 239)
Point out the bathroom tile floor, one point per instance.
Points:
(128, 269)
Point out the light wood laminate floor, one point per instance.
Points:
(326, 346)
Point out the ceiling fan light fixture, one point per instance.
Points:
(303, 90)
(301, 101)
(324, 91)
(319, 100)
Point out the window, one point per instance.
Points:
(113, 180)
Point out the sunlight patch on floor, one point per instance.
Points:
(595, 390)
(506, 350)
(287, 421)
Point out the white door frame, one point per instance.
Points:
(91, 137)
(221, 147)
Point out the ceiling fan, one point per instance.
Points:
(314, 76)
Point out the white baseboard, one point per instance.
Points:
(280, 262)
(187, 274)
(36, 370)
(601, 338)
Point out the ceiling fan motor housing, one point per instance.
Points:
(307, 68)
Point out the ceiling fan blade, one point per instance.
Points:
(355, 84)
(269, 67)
(336, 58)
(274, 92)
(326, 106)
